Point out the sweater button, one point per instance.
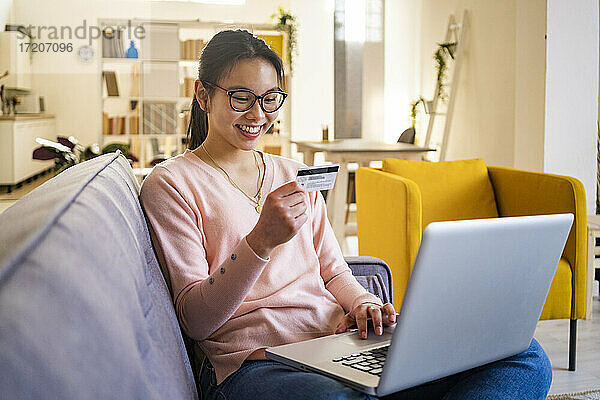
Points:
(211, 280)
(233, 256)
(222, 270)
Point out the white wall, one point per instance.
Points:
(5, 13)
(483, 120)
(530, 85)
(373, 72)
(402, 64)
(313, 85)
(572, 92)
(373, 91)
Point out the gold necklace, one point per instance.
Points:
(258, 180)
(256, 199)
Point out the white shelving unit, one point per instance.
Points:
(158, 78)
(145, 112)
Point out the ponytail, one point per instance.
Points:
(198, 127)
(218, 58)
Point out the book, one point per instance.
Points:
(110, 78)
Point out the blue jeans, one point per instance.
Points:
(525, 376)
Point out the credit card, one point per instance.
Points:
(318, 178)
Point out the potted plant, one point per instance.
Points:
(67, 151)
(413, 110)
(286, 22)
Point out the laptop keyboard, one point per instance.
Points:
(370, 361)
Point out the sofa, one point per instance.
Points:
(85, 312)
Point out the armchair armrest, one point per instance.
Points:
(389, 222)
(376, 276)
(526, 193)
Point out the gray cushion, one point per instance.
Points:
(85, 312)
(374, 284)
(374, 274)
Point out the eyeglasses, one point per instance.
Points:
(242, 100)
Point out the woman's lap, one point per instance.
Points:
(273, 380)
(524, 376)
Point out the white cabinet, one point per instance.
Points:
(17, 142)
(15, 58)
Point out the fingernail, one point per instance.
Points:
(339, 329)
(379, 330)
(363, 335)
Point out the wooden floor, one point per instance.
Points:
(7, 199)
(552, 335)
(554, 338)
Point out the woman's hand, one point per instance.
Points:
(380, 315)
(282, 216)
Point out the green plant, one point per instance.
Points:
(286, 22)
(413, 110)
(112, 147)
(440, 56)
(444, 50)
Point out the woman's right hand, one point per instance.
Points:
(283, 214)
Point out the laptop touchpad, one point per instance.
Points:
(372, 338)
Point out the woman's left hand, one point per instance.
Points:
(380, 315)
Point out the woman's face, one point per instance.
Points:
(242, 130)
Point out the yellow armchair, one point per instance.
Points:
(396, 203)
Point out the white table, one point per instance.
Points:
(346, 151)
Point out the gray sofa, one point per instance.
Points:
(84, 310)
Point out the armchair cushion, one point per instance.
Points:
(450, 190)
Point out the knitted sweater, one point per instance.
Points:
(227, 298)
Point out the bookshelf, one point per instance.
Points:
(146, 100)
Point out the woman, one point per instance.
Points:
(250, 257)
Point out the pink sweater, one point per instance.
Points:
(227, 298)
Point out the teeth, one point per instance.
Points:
(249, 129)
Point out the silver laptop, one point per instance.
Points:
(475, 294)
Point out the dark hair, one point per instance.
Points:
(222, 53)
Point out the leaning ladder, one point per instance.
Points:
(458, 34)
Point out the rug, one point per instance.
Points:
(589, 395)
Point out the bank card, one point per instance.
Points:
(318, 178)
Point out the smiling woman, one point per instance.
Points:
(250, 255)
